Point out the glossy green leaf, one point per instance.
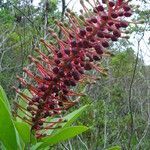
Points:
(33, 139)
(7, 128)
(20, 142)
(4, 98)
(62, 135)
(114, 148)
(23, 130)
(35, 147)
(70, 118)
(73, 116)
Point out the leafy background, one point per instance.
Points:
(119, 111)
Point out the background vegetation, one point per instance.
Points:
(120, 103)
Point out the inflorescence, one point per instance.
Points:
(84, 42)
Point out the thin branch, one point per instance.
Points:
(70, 145)
(6, 36)
(26, 17)
(62, 14)
(144, 134)
(82, 142)
(66, 148)
(130, 94)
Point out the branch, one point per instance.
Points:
(26, 18)
(62, 14)
(82, 142)
(130, 94)
(6, 36)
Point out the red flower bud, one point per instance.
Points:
(98, 49)
(100, 8)
(111, 4)
(81, 47)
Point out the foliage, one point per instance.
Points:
(21, 27)
(19, 132)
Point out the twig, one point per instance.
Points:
(70, 145)
(105, 125)
(64, 146)
(6, 36)
(26, 18)
(148, 122)
(130, 94)
(144, 134)
(82, 142)
(62, 14)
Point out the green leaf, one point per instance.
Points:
(62, 135)
(73, 116)
(34, 147)
(7, 128)
(4, 98)
(20, 143)
(33, 139)
(24, 131)
(70, 118)
(114, 148)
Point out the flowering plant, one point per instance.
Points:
(85, 40)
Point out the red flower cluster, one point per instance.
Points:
(84, 42)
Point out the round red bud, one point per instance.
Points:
(105, 44)
(99, 49)
(72, 83)
(87, 66)
(104, 17)
(111, 4)
(114, 15)
(73, 43)
(126, 7)
(89, 29)
(67, 51)
(124, 24)
(82, 32)
(114, 38)
(56, 70)
(117, 33)
(100, 8)
(127, 14)
(59, 55)
(96, 57)
(94, 20)
(100, 34)
(57, 61)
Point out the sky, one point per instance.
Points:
(144, 47)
